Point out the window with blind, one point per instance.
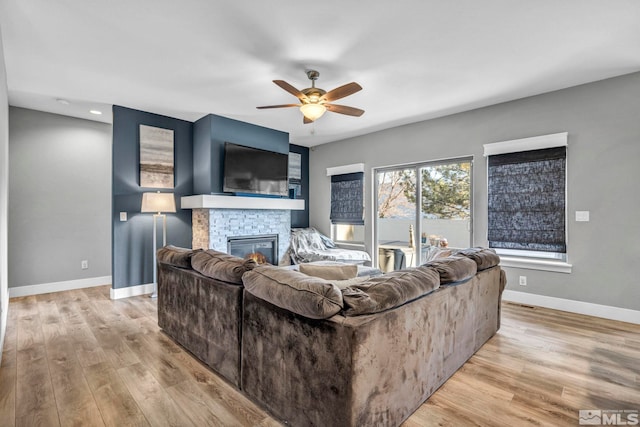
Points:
(527, 196)
(347, 198)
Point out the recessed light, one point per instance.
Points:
(62, 101)
(96, 112)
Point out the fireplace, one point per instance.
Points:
(213, 228)
(264, 249)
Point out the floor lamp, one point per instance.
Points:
(158, 202)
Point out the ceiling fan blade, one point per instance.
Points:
(342, 91)
(306, 120)
(343, 109)
(292, 90)
(278, 106)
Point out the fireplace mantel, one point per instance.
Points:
(214, 201)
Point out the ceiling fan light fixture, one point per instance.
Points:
(313, 111)
(314, 102)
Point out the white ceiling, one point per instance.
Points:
(415, 59)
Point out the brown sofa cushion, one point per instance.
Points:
(342, 284)
(484, 257)
(178, 257)
(221, 266)
(453, 268)
(289, 289)
(330, 272)
(389, 291)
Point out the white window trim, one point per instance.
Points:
(527, 144)
(343, 170)
(536, 264)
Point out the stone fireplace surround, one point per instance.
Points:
(216, 218)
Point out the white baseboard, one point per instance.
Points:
(579, 307)
(45, 288)
(4, 310)
(131, 291)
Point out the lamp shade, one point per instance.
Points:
(313, 111)
(158, 202)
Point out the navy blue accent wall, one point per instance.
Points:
(132, 244)
(210, 134)
(198, 156)
(205, 165)
(301, 218)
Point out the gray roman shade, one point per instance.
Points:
(526, 200)
(347, 198)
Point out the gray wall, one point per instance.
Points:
(59, 198)
(4, 191)
(602, 119)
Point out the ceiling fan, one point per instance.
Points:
(315, 101)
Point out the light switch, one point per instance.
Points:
(123, 216)
(582, 216)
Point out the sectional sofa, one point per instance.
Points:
(319, 352)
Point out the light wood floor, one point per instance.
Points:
(79, 358)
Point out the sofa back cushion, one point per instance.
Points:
(390, 290)
(222, 266)
(176, 256)
(483, 257)
(453, 268)
(307, 296)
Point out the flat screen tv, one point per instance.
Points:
(250, 170)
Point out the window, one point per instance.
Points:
(347, 199)
(527, 196)
(347, 203)
(347, 233)
(421, 207)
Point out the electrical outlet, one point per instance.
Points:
(523, 280)
(84, 264)
(582, 216)
(123, 216)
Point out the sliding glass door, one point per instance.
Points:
(421, 209)
(395, 218)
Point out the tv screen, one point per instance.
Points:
(254, 171)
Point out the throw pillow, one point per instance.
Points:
(222, 266)
(305, 295)
(330, 272)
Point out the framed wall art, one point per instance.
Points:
(156, 157)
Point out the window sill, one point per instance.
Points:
(536, 264)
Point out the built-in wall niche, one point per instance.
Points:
(299, 180)
(295, 175)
